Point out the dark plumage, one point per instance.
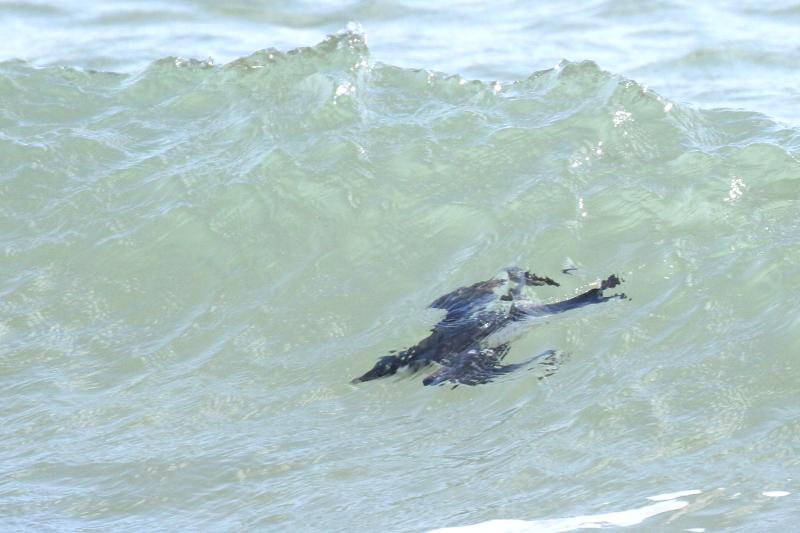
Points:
(470, 342)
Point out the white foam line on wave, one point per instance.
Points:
(630, 517)
(775, 493)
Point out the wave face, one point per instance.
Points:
(198, 258)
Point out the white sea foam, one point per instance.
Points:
(775, 493)
(630, 517)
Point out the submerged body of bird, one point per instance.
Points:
(471, 341)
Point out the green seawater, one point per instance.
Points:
(198, 258)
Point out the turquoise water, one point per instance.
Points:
(199, 255)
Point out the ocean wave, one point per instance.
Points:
(196, 242)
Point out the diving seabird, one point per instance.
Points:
(470, 342)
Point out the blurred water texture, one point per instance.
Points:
(200, 254)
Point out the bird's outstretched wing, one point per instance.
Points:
(466, 301)
(478, 366)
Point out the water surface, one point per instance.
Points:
(199, 256)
